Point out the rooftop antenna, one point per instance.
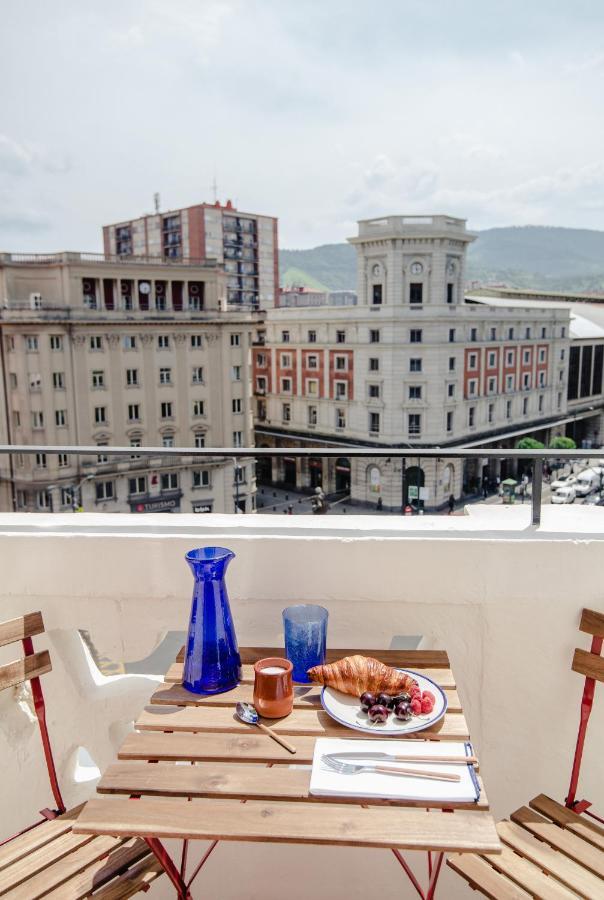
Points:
(214, 187)
(156, 202)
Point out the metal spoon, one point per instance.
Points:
(247, 713)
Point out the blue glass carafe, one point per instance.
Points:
(212, 661)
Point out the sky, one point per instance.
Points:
(320, 112)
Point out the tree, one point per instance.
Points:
(563, 443)
(529, 443)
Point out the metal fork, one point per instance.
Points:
(353, 769)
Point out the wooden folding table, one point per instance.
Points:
(239, 786)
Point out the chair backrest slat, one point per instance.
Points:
(17, 629)
(23, 669)
(588, 664)
(592, 622)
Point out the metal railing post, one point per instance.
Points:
(537, 485)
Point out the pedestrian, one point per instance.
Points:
(451, 502)
(290, 510)
(380, 505)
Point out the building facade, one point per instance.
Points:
(146, 352)
(412, 365)
(246, 245)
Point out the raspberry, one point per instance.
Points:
(430, 695)
(416, 706)
(427, 705)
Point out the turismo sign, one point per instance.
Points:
(165, 503)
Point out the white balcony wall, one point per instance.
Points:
(503, 598)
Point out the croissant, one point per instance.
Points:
(357, 674)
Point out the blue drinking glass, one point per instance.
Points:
(305, 628)
(212, 661)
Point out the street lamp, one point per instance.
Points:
(78, 490)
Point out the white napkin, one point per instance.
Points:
(325, 782)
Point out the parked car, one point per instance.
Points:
(564, 494)
(563, 481)
(594, 499)
(587, 481)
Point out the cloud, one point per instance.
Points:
(386, 185)
(588, 64)
(20, 219)
(24, 158)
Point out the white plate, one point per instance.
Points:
(346, 710)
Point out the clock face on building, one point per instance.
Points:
(451, 268)
(144, 287)
(416, 268)
(376, 269)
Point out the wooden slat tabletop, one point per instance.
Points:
(191, 763)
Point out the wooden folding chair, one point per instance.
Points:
(550, 850)
(47, 859)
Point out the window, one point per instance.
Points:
(132, 377)
(285, 337)
(135, 442)
(195, 342)
(21, 499)
(166, 409)
(134, 412)
(450, 295)
(510, 334)
(415, 365)
(312, 415)
(235, 373)
(472, 360)
(312, 387)
(490, 410)
(16, 418)
(102, 457)
(526, 381)
(544, 332)
(525, 405)
(541, 354)
(559, 400)
(509, 382)
(261, 384)
(540, 402)
(374, 336)
(37, 419)
(374, 423)
(341, 363)
(41, 460)
(31, 342)
(374, 390)
(200, 440)
(508, 409)
(341, 390)
(451, 364)
(197, 375)
(374, 364)
(129, 342)
(100, 415)
(163, 341)
(563, 333)
(201, 478)
(509, 358)
(95, 342)
(235, 340)
(526, 357)
(313, 361)
(286, 360)
(238, 439)
(340, 418)
(286, 412)
(169, 481)
(471, 416)
(414, 423)
(415, 335)
(236, 404)
(13, 380)
(473, 334)
(63, 460)
(104, 490)
(415, 392)
(60, 418)
(527, 333)
(137, 485)
(450, 390)
(472, 387)
(43, 500)
(376, 297)
(167, 440)
(35, 381)
(56, 342)
(451, 335)
(492, 359)
(165, 376)
(98, 379)
(261, 360)
(561, 375)
(449, 421)
(541, 379)
(286, 385)
(312, 337)
(239, 474)
(493, 334)
(416, 292)
(340, 337)
(492, 385)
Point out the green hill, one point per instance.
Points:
(531, 256)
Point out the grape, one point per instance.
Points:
(402, 710)
(378, 713)
(384, 700)
(367, 700)
(402, 696)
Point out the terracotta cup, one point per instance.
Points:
(273, 690)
